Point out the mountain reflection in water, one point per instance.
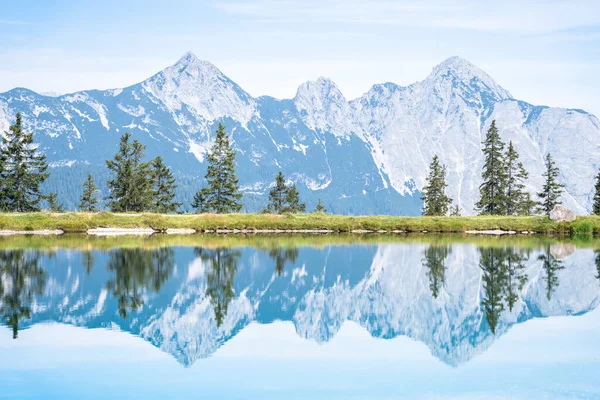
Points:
(189, 296)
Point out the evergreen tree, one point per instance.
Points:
(222, 193)
(281, 256)
(88, 201)
(551, 190)
(221, 267)
(131, 187)
(199, 202)
(493, 188)
(163, 182)
(494, 282)
(435, 201)
(277, 196)
(292, 198)
(516, 278)
(320, 208)
(596, 205)
(435, 262)
(53, 204)
(24, 169)
(551, 266)
(517, 200)
(21, 280)
(455, 211)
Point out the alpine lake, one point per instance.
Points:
(320, 316)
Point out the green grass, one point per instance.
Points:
(81, 222)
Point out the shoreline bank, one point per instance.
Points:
(105, 223)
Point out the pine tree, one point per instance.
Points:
(320, 208)
(277, 196)
(435, 262)
(435, 201)
(23, 170)
(551, 266)
(163, 183)
(53, 204)
(88, 201)
(493, 188)
(551, 190)
(131, 188)
(517, 200)
(455, 211)
(284, 198)
(596, 205)
(222, 193)
(494, 284)
(292, 198)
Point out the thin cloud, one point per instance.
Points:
(511, 16)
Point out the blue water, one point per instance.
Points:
(318, 319)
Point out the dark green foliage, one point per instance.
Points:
(53, 204)
(494, 280)
(131, 186)
(515, 275)
(596, 205)
(88, 201)
(435, 201)
(222, 193)
(434, 261)
(320, 208)
(281, 256)
(284, 198)
(551, 190)
(21, 279)
(493, 188)
(136, 271)
(88, 261)
(292, 198)
(551, 266)
(24, 169)
(220, 272)
(277, 195)
(517, 200)
(597, 260)
(455, 211)
(503, 279)
(163, 188)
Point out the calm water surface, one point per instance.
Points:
(304, 317)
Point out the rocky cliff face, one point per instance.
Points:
(367, 155)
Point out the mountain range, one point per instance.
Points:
(362, 156)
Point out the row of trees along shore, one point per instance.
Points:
(503, 190)
(149, 186)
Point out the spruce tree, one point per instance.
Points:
(222, 194)
(163, 187)
(551, 190)
(284, 198)
(320, 208)
(292, 198)
(435, 262)
(435, 201)
(517, 200)
(277, 196)
(88, 201)
(24, 169)
(455, 211)
(493, 188)
(596, 205)
(131, 187)
(53, 204)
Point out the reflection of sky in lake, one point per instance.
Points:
(546, 358)
(417, 319)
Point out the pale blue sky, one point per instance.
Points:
(543, 52)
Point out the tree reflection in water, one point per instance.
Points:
(21, 279)
(136, 271)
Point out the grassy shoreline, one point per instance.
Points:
(72, 222)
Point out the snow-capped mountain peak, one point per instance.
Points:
(203, 88)
(461, 72)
